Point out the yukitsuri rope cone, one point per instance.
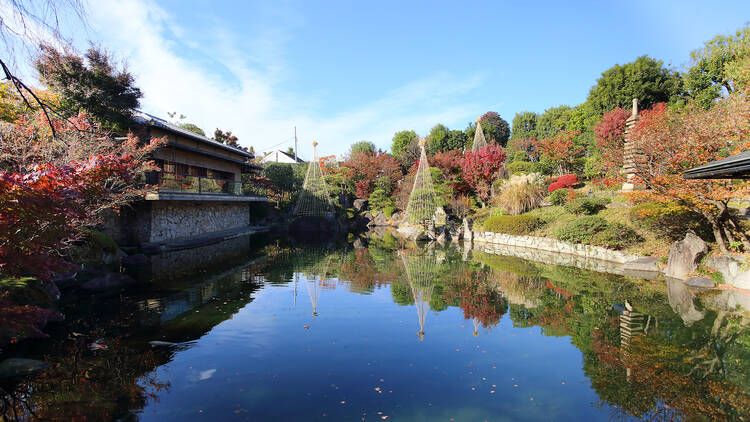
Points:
(314, 199)
(420, 273)
(479, 140)
(422, 203)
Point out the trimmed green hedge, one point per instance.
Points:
(616, 236)
(512, 224)
(594, 230)
(581, 230)
(586, 206)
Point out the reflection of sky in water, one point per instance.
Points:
(363, 350)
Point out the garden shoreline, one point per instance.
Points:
(596, 258)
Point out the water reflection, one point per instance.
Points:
(642, 349)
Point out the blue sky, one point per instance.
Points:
(348, 71)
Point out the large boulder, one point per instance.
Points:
(468, 227)
(684, 256)
(742, 281)
(379, 220)
(360, 205)
(727, 265)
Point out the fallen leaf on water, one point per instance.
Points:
(342, 401)
(306, 326)
(492, 392)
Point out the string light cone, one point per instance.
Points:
(314, 199)
(422, 204)
(479, 139)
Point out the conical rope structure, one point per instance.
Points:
(479, 139)
(420, 273)
(314, 292)
(314, 199)
(422, 204)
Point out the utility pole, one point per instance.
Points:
(295, 144)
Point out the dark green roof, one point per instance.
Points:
(734, 167)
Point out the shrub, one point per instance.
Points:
(100, 240)
(670, 219)
(616, 236)
(389, 210)
(518, 167)
(586, 205)
(512, 224)
(558, 197)
(521, 193)
(581, 230)
(564, 181)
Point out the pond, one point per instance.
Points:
(281, 331)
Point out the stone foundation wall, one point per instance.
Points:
(176, 219)
(556, 246)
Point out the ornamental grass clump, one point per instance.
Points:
(521, 193)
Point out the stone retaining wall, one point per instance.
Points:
(179, 219)
(555, 246)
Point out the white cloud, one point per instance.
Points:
(219, 86)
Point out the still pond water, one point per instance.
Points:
(283, 332)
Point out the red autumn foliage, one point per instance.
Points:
(562, 182)
(481, 168)
(673, 141)
(368, 166)
(560, 149)
(610, 136)
(22, 322)
(51, 188)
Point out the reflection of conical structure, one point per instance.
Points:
(422, 203)
(420, 273)
(479, 140)
(476, 326)
(313, 199)
(314, 291)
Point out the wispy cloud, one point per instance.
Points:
(216, 83)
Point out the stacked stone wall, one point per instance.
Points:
(179, 219)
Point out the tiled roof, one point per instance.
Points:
(734, 167)
(153, 121)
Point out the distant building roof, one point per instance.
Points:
(280, 156)
(153, 121)
(734, 167)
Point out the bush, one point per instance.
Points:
(520, 193)
(558, 197)
(564, 181)
(512, 224)
(670, 219)
(518, 167)
(616, 236)
(389, 210)
(581, 230)
(586, 205)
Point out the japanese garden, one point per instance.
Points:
(577, 262)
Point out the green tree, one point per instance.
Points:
(553, 120)
(193, 128)
(646, 79)
(718, 67)
(360, 147)
(442, 139)
(524, 125)
(91, 83)
(401, 142)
